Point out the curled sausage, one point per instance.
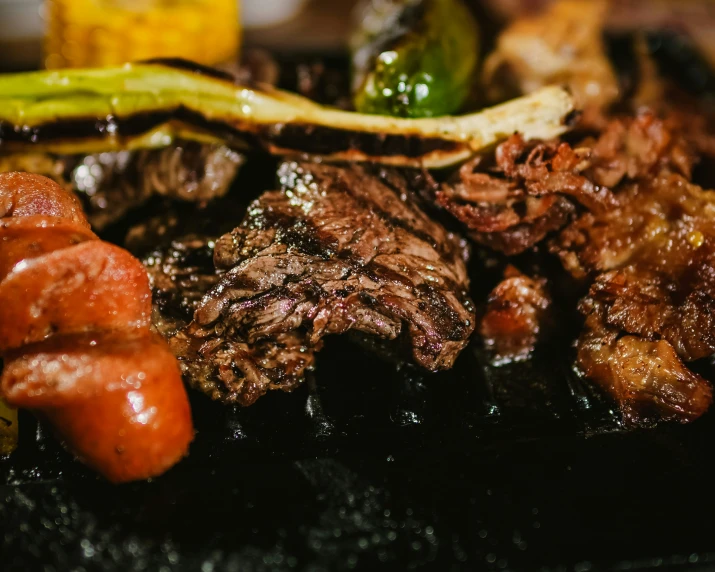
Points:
(75, 337)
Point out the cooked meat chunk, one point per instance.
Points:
(659, 224)
(562, 45)
(645, 377)
(111, 184)
(336, 250)
(514, 315)
(114, 183)
(514, 202)
(178, 255)
(234, 371)
(653, 258)
(631, 148)
(677, 306)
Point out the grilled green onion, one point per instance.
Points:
(148, 105)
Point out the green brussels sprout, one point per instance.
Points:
(414, 58)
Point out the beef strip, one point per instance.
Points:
(652, 302)
(178, 255)
(513, 319)
(335, 250)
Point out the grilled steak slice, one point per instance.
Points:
(652, 303)
(177, 251)
(337, 250)
(113, 183)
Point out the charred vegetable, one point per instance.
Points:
(414, 58)
(149, 105)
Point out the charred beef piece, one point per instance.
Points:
(652, 303)
(178, 255)
(513, 200)
(114, 183)
(111, 184)
(513, 319)
(335, 250)
(512, 203)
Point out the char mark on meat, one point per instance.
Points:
(337, 250)
(652, 302)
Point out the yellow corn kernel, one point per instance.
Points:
(87, 33)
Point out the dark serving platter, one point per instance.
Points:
(377, 466)
(514, 468)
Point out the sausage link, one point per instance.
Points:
(75, 337)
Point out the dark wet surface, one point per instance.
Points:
(519, 467)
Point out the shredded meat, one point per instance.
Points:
(526, 191)
(514, 315)
(514, 203)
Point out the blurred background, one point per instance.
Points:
(58, 33)
(53, 33)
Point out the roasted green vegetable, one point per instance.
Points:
(148, 105)
(414, 58)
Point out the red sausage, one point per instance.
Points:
(92, 286)
(23, 194)
(75, 337)
(29, 237)
(118, 402)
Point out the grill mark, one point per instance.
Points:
(343, 186)
(309, 241)
(443, 247)
(193, 67)
(312, 242)
(340, 184)
(329, 140)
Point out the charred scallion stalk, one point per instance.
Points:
(414, 58)
(148, 105)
